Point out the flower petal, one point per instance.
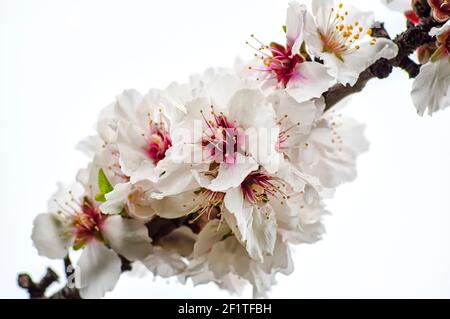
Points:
(232, 175)
(213, 232)
(134, 160)
(116, 199)
(295, 20)
(310, 81)
(48, 237)
(164, 263)
(97, 270)
(127, 237)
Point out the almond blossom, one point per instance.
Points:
(342, 38)
(75, 221)
(289, 66)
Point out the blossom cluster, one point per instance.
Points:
(212, 180)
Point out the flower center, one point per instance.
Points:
(340, 38)
(84, 218)
(282, 63)
(87, 222)
(279, 61)
(158, 142)
(222, 139)
(206, 206)
(258, 188)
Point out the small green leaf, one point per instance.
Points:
(103, 183)
(100, 198)
(284, 29)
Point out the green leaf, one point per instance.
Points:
(284, 29)
(100, 198)
(103, 183)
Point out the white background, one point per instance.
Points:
(63, 60)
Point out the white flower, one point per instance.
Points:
(431, 88)
(219, 257)
(143, 134)
(230, 131)
(342, 39)
(74, 220)
(330, 150)
(286, 67)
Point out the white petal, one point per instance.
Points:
(97, 270)
(245, 104)
(213, 232)
(311, 81)
(127, 237)
(180, 241)
(234, 202)
(263, 233)
(431, 88)
(232, 175)
(133, 158)
(321, 11)
(116, 200)
(64, 195)
(305, 113)
(348, 70)
(177, 179)
(294, 25)
(257, 227)
(171, 207)
(164, 263)
(126, 106)
(48, 237)
(442, 30)
(90, 145)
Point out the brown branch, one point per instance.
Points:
(37, 290)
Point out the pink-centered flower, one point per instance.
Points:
(288, 66)
(87, 221)
(75, 221)
(143, 133)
